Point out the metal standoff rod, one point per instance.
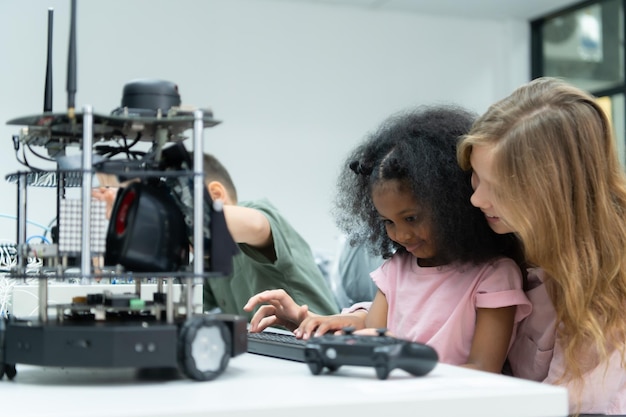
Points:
(198, 207)
(85, 258)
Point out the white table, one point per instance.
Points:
(257, 386)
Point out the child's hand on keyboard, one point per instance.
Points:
(277, 309)
(318, 325)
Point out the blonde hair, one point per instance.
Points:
(563, 191)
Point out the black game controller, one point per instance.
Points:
(382, 352)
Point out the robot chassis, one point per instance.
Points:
(104, 330)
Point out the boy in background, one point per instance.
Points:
(272, 253)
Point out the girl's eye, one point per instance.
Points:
(411, 219)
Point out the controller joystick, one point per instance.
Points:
(384, 353)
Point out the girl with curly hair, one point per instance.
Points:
(446, 281)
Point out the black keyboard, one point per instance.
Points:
(277, 345)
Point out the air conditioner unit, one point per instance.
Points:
(576, 36)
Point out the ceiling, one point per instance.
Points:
(492, 9)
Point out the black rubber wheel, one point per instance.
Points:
(2, 332)
(381, 364)
(204, 347)
(314, 361)
(10, 371)
(332, 368)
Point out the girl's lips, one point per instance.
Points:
(492, 219)
(411, 248)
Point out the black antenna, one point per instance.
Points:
(71, 64)
(47, 98)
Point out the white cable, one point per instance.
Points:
(8, 255)
(6, 289)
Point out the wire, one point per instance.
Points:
(14, 217)
(45, 158)
(43, 238)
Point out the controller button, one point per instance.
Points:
(331, 353)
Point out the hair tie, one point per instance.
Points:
(359, 168)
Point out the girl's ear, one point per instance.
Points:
(217, 191)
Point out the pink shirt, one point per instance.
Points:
(437, 305)
(535, 356)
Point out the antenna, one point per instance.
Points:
(71, 64)
(47, 98)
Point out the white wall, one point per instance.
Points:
(296, 85)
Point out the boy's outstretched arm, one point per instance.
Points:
(248, 225)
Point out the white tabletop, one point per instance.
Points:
(258, 386)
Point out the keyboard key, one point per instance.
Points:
(276, 345)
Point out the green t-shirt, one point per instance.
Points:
(294, 270)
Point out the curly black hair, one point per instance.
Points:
(417, 147)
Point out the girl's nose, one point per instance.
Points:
(475, 200)
(404, 234)
(478, 199)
